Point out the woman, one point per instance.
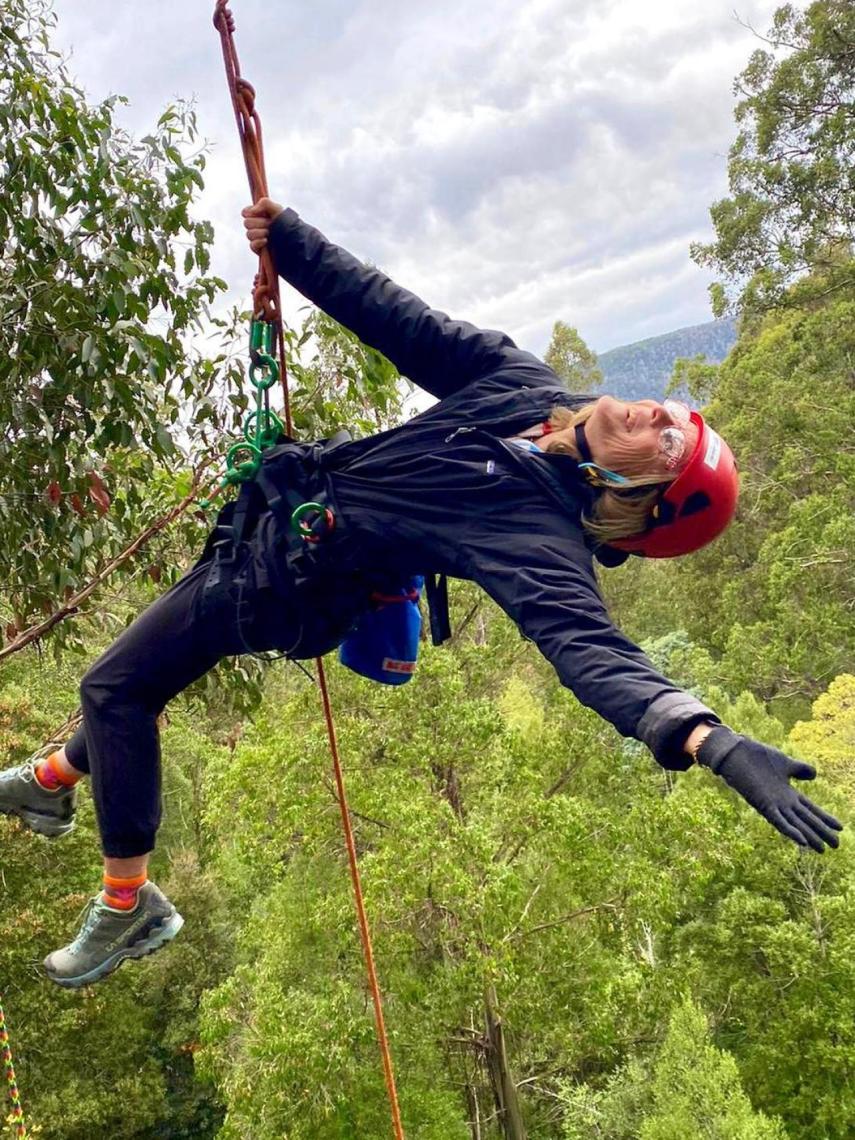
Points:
(509, 481)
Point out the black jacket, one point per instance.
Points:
(445, 492)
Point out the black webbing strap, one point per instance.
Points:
(247, 507)
(280, 498)
(436, 589)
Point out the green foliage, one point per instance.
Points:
(785, 406)
(791, 207)
(694, 377)
(508, 838)
(343, 384)
(771, 598)
(571, 359)
(103, 283)
(613, 1112)
(104, 288)
(455, 827)
(689, 1089)
(828, 739)
(696, 1089)
(523, 866)
(779, 961)
(137, 1032)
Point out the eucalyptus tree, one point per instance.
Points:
(791, 203)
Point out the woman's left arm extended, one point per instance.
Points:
(437, 353)
(550, 591)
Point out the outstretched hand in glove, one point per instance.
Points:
(762, 776)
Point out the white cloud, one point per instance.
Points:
(515, 161)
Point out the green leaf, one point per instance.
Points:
(165, 441)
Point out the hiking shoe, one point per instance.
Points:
(48, 812)
(108, 936)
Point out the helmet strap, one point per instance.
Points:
(582, 444)
(601, 476)
(597, 476)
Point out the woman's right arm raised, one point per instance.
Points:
(435, 352)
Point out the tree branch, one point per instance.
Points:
(35, 632)
(610, 905)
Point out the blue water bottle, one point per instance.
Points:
(384, 646)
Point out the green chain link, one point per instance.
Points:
(16, 1117)
(262, 427)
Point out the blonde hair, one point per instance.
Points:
(618, 512)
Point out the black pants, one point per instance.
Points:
(171, 644)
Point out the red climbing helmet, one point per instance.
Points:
(697, 506)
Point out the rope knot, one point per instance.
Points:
(246, 93)
(263, 300)
(221, 12)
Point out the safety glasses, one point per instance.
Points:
(673, 439)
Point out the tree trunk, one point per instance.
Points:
(496, 1057)
(474, 1111)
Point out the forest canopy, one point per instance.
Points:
(572, 942)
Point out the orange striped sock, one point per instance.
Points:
(51, 773)
(121, 894)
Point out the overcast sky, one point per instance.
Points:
(514, 162)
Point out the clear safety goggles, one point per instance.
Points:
(673, 439)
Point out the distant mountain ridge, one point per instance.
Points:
(640, 371)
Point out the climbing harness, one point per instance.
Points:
(17, 1113)
(267, 310)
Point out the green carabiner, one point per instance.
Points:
(305, 528)
(262, 343)
(263, 427)
(241, 472)
(262, 336)
(266, 364)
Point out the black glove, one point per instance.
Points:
(762, 776)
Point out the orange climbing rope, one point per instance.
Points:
(364, 931)
(267, 307)
(17, 1114)
(265, 293)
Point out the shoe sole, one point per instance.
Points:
(41, 824)
(155, 941)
